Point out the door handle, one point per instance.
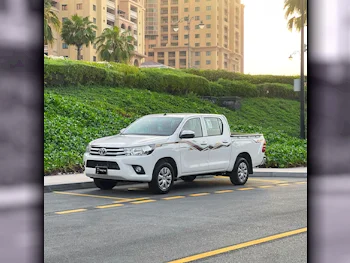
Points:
(204, 143)
(225, 142)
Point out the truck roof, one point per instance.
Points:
(184, 115)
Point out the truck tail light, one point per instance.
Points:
(264, 147)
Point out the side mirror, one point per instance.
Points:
(187, 134)
(122, 130)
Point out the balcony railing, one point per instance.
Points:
(110, 17)
(111, 4)
(133, 14)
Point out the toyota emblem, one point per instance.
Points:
(102, 151)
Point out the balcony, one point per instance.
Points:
(111, 4)
(164, 2)
(133, 14)
(110, 17)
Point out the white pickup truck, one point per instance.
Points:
(161, 148)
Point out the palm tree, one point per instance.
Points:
(115, 46)
(50, 19)
(293, 13)
(78, 32)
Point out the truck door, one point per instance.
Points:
(219, 140)
(194, 153)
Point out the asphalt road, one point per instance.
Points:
(265, 222)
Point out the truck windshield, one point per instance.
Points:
(159, 126)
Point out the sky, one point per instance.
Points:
(267, 41)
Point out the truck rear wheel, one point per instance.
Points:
(104, 184)
(240, 172)
(162, 178)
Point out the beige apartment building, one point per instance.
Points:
(213, 31)
(126, 14)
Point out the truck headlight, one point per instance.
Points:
(88, 147)
(137, 151)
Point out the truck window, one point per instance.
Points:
(194, 125)
(214, 126)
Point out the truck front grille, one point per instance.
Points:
(108, 164)
(109, 151)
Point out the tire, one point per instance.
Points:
(189, 178)
(162, 178)
(104, 184)
(240, 172)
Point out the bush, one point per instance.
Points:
(215, 75)
(238, 88)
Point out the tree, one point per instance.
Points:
(115, 46)
(50, 19)
(78, 31)
(293, 13)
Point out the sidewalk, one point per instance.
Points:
(80, 181)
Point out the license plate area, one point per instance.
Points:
(101, 169)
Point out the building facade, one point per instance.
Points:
(126, 14)
(205, 34)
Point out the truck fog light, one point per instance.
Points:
(138, 169)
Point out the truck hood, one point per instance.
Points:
(128, 140)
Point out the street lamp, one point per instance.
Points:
(176, 28)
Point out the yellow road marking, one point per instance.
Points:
(220, 176)
(239, 246)
(223, 191)
(143, 201)
(266, 180)
(283, 184)
(71, 211)
(109, 206)
(199, 194)
(173, 197)
(300, 182)
(265, 186)
(130, 199)
(246, 188)
(87, 195)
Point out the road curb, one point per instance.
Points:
(279, 174)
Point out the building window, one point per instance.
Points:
(197, 36)
(208, 44)
(208, 35)
(208, 62)
(64, 46)
(81, 57)
(208, 17)
(186, 1)
(94, 19)
(94, 58)
(161, 61)
(174, 44)
(197, 18)
(186, 36)
(171, 54)
(208, 53)
(186, 27)
(196, 45)
(95, 46)
(79, 6)
(197, 54)
(208, 8)
(94, 7)
(208, 25)
(186, 9)
(197, 8)
(175, 37)
(151, 54)
(64, 7)
(196, 63)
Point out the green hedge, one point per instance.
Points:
(59, 72)
(215, 75)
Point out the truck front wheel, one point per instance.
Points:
(240, 172)
(104, 184)
(162, 178)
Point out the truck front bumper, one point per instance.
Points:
(122, 168)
